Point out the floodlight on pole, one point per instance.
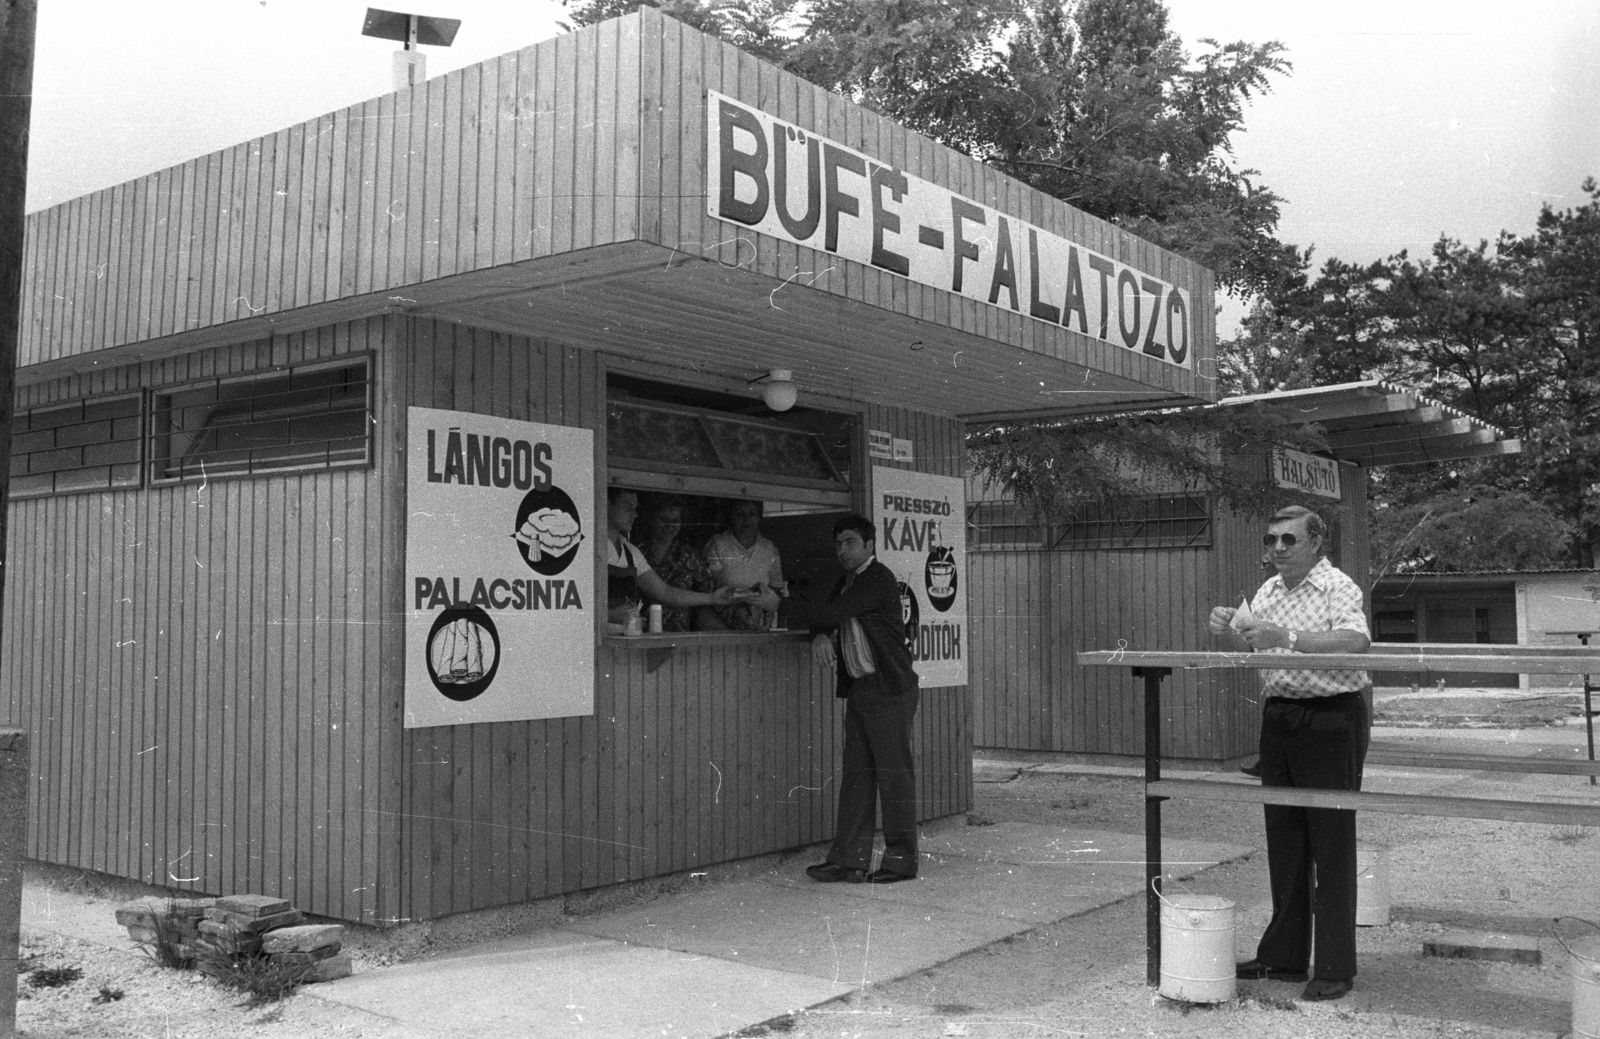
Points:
(410, 66)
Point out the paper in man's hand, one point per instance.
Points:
(1242, 615)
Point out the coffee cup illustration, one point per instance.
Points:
(910, 612)
(939, 575)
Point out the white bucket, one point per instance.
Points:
(1197, 948)
(1585, 988)
(1372, 885)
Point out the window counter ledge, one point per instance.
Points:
(700, 639)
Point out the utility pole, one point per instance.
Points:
(17, 21)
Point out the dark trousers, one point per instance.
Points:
(1311, 852)
(877, 764)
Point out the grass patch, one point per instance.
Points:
(53, 977)
(169, 939)
(263, 983)
(1270, 1002)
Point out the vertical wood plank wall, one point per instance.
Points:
(592, 138)
(697, 757)
(1039, 609)
(530, 154)
(214, 682)
(1034, 610)
(199, 665)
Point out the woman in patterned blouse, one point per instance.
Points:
(677, 562)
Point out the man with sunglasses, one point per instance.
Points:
(1314, 730)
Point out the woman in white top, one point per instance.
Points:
(629, 576)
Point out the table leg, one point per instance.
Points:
(1588, 708)
(1153, 866)
(1588, 718)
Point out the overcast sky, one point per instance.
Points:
(1402, 120)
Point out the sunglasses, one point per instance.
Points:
(1289, 540)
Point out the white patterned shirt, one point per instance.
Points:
(1327, 600)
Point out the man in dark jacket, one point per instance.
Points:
(860, 633)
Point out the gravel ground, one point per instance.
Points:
(1083, 976)
(1501, 709)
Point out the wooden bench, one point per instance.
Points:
(1155, 665)
(1399, 757)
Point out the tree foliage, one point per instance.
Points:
(1473, 527)
(1506, 332)
(1104, 464)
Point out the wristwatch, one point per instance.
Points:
(1294, 636)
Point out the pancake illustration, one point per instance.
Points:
(463, 652)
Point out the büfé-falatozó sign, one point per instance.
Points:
(789, 183)
(499, 569)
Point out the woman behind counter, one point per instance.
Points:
(673, 559)
(630, 576)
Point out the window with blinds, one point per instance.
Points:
(1155, 521)
(304, 417)
(87, 445)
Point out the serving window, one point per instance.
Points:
(700, 460)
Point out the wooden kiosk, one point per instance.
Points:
(260, 390)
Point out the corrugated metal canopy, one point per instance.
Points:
(1381, 423)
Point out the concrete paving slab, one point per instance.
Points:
(851, 938)
(560, 984)
(999, 889)
(1084, 857)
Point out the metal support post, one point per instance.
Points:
(1152, 819)
(1588, 697)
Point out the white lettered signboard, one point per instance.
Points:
(499, 569)
(922, 537)
(791, 184)
(1298, 471)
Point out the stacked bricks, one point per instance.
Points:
(314, 947)
(215, 935)
(233, 927)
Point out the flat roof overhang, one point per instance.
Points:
(1375, 423)
(675, 310)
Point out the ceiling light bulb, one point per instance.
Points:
(780, 392)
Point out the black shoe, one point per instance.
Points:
(888, 876)
(1255, 970)
(832, 873)
(1326, 988)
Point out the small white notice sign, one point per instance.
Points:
(1299, 471)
